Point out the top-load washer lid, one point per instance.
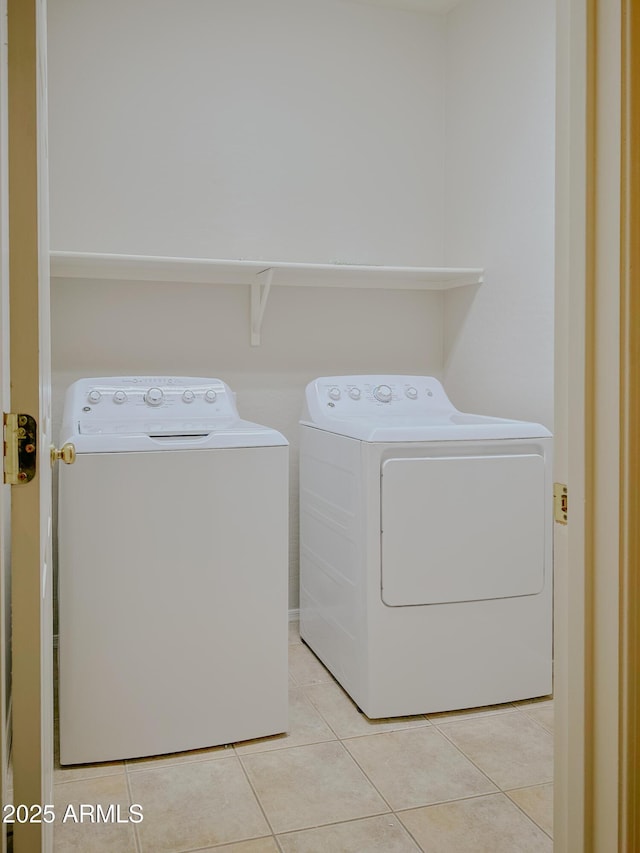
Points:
(133, 413)
(387, 408)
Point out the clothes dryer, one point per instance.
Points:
(173, 570)
(425, 547)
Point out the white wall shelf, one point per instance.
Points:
(260, 275)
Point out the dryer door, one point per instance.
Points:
(462, 528)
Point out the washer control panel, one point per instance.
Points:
(152, 405)
(376, 396)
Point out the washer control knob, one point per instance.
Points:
(188, 396)
(154, 397)
(411, 393)
(334, 393)
(94, 396)
(119, 397)
(355, 393)
(383, 393)
(210, 395)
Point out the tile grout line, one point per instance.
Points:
(493, 781)
(499, 793)
(136, 839)
(366, 776)
(427, 722)
(524, 788)
(223, 843)
(255, 793)
(450, 802)
(351, 821)
(331, 823)
(471, 714)
(57, 783)
(145, 767)
(411, 835)
(528, 787)
(528, 816)
(399, 812)
(464, 755)
(325, 720)
(537, 722)
(504, 791)
(318, 711)
(284, 748)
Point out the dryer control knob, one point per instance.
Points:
(154, 397)
(334, 393)
(411, 393)
(355, 393)
(119, 397)
(210, 395)
(188, 396)
(94, 396)
(383, 393)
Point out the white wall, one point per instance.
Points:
(499, 204)
(307, 130)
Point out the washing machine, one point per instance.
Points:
(172, 570)
(425, 547)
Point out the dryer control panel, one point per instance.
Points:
(376, 396)
(150, 405)
(390, 408)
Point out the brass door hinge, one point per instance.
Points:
(560, 503)
(20, 448)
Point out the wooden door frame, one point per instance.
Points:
(630, 430)
(5, 491)
(32, 682)
(597, 773)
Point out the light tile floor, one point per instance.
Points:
(475, 781)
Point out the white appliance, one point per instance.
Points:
(425, 547)
(173, 571)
